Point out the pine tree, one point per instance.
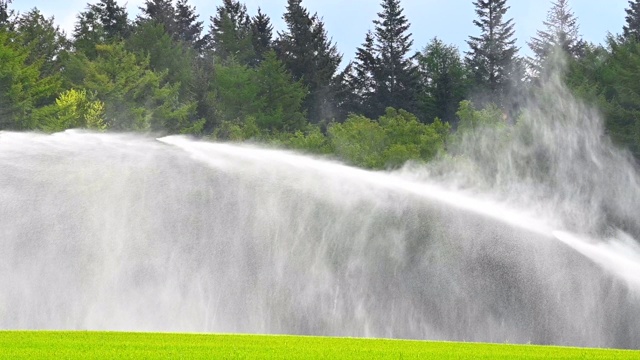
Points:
(281, 98)
(230, 33)
(360, 80)
(631, 31)
(44, 40)
(5, 13)
(444, 81)
(561, 33)
(396, 76)
(261, 36)
(492, 53)
(114, 19)
(161, 12)
(101, 23)
(188, 28)
(312, 57)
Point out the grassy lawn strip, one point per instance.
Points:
(109, 345)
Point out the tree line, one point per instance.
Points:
(237, 79)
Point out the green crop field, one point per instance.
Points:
(109, 345)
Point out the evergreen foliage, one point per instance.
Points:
(561, 34)
(492, 52)
(5, 14)
(230, 33)
(631, 30)
(261, 36)
(43, 39)
(237, 82)
(101, 23)
(311, 57)
(444, 80)
(383, 74)
(188, 28)
(396, 75)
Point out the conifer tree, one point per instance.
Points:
(261, 36)
(444, 81)
(230, 32)
(188, 28)
(5, 13)
(45, 41)
(492, 53)
(360, 80)
(312, 57)
(114, 19)
(561, 33)
(160, 12)
(396, 76)
(631, 31)
(101, 23)
(383, 75)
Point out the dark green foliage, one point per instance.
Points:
(261, 36)
(203, 94)
(492, 52)
(164, 55)
(101, 23)
(188, 28)
(179, 21)
(610, 78)
(561, 34)
(113, 18)
(396, 75)
(44, 41)
(444, 80)
(382, 73)
(280, 97)
(5, 14)
(230, 33)
(267, 97)
(135, 97)
(310, 56)
(359, 80)
(160, 12)
(631, 30)
(239, 83)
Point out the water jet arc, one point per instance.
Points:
(121, 232)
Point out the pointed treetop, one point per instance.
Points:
(631, 30)
(562, 32)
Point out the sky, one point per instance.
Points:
(347, 21)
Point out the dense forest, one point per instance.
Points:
(164, 72)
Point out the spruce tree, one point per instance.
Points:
(101, 23)
(188, 28)
(261, 36)
(561, 33)
(631, 31)
(383, 74)
(230, 33)
(312, 57)
(360, 80)
(444, 81)
(5, 13)
(492, 53)
(45, 41)
(396, 76)
(114, 19)
(160, 12)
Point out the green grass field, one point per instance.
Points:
(109, 345)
